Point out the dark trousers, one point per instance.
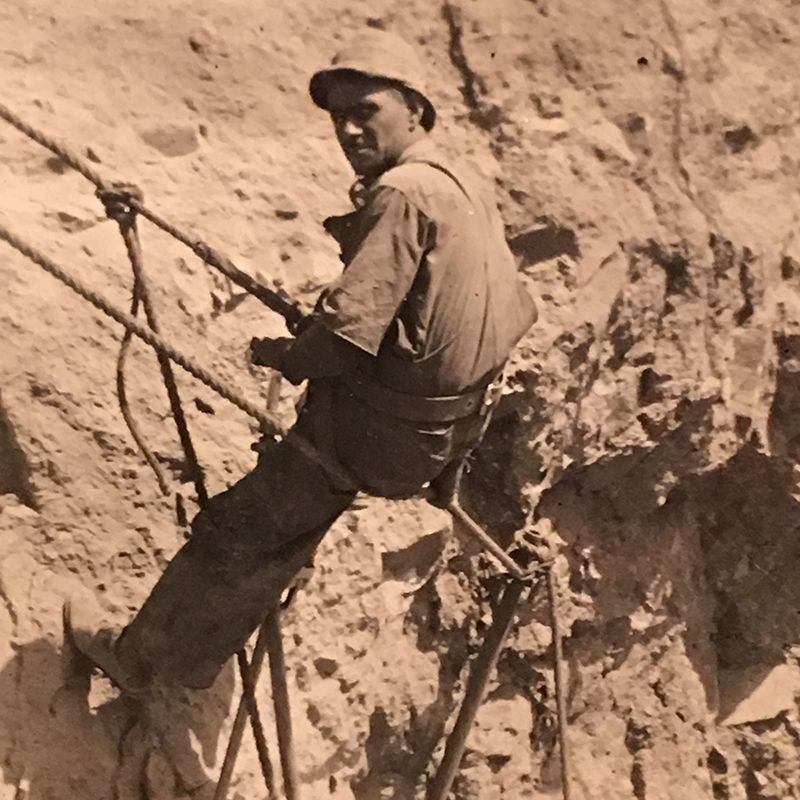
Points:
(250, 541)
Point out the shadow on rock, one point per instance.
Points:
(631, 537)
(398, 757)
(85, 740)
(749, 518)
(710, 565)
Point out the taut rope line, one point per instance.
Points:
(269, 422)
(275, 298)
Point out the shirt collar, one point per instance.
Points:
(422, 150)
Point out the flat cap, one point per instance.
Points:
(381, 55)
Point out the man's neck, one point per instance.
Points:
(416, 145)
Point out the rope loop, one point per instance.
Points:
(120, 201)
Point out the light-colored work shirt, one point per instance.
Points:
(430, 287)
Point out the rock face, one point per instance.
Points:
(646, 159)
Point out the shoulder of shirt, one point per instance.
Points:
(422, 184)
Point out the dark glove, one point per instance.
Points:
(270, 352)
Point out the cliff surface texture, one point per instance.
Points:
(646, 158)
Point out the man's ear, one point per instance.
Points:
(416, 107)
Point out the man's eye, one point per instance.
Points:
(358, 116)
(363, 114)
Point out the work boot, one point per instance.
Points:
(91, 638)
(186, 727)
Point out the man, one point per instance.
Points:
(400, 355)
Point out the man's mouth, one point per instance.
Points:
(359, 150)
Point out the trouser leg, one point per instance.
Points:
(245, 548)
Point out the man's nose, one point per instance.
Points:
(351, 129)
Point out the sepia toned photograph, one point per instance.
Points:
(400, 401)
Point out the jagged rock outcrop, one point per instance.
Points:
(646, 161)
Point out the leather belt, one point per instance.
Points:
(418, 408)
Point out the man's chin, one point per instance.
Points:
(365, 164)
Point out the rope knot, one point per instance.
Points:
(119, 200)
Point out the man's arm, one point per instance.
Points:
(362, 303)
(356, 310)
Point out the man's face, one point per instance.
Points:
(374, 124)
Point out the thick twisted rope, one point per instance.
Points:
(277, 300)
(114, 200)
(53, 145)
(269, 422)
(124, 405)
(274, 298)
(118, 207)
(127, 226)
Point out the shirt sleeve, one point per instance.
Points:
(362, 303)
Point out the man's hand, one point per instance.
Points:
(270, 352)
(316, 353)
